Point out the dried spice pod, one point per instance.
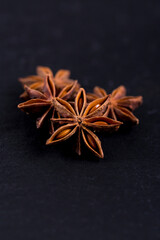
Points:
(34, 82)
(98, 93)
(92, 142)
(65, 105)
(102, 123)
(62, 133)
(43, 71)
(43, 101)
(97, 107)
(81, 119)
(120, 106)
(61, 80)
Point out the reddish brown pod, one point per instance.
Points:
(69, 110)
(83, 119)
(120, 106)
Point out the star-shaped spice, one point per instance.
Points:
(43, 102)
(61, 80)
(120, 106)
(84, 120)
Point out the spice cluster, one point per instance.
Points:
(69, 110)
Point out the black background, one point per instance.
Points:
(50, 192)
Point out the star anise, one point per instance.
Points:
(61, 80)
(84, 120)
(120, 106)
(70, 111)
(43, 102)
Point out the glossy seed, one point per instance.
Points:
(63, 133)
(100, 123)
(80, 104)
(91, 141)
(94, 108)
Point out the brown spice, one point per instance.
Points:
(81, 119)
(43, 101)
(61, 80)
(120, 106)
(73, 110)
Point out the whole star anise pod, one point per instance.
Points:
(61, 80)
(84, 120)
(43, 102)
(59, 100)
(120, 106)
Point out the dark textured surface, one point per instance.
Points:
(49, 192)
